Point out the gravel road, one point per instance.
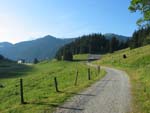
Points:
(109, 95)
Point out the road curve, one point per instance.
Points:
(109, 95)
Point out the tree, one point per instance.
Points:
(1, 57)
(67, 55)
(114, 45)
(93, 43)
(35, 61)
(58, 56)
(143, 6)
(140, 38)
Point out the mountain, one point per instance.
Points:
(5, 45)
(42, 48)
(119, 37)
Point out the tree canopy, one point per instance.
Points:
(140, 38)
(143, 6)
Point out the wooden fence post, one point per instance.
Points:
(98, 70)
(56, 84)
(89, 74)
(21, 91)
(76, 79)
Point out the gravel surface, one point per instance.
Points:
(109, 95)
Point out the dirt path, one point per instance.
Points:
(109, 95)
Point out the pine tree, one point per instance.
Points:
(140, 38)
(114, 44)
(35, 61)
(1, 57)
(92, 43)
(67, 55)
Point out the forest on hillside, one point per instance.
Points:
(93, 44)
(99, 44)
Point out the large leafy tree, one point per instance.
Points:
(143, 6)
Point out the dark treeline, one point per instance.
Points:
(140, 38)
(2, 58)
(93, 43)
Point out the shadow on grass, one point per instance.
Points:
(71, 108)
(74, 93)
(13, 70)
(44, 103)
(56, 105)
(83, 60)
(79, 60)
(83, 94)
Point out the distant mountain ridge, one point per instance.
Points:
(119, 37)
(5, 44)
(42, 48)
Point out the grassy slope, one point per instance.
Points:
(137, 64)
(39, 91)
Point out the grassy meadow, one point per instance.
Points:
(137, 65)
(38, 81)
(80, 57)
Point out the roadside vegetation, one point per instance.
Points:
(137, 65)
(38, 83)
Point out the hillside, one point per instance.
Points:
(42, 48)
(137, 65)
(38, 83)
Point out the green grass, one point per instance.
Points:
(137, 65)
(80, 57)
(38, 82)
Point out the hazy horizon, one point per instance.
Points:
(52, 36)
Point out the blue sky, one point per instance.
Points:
(30, 19)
